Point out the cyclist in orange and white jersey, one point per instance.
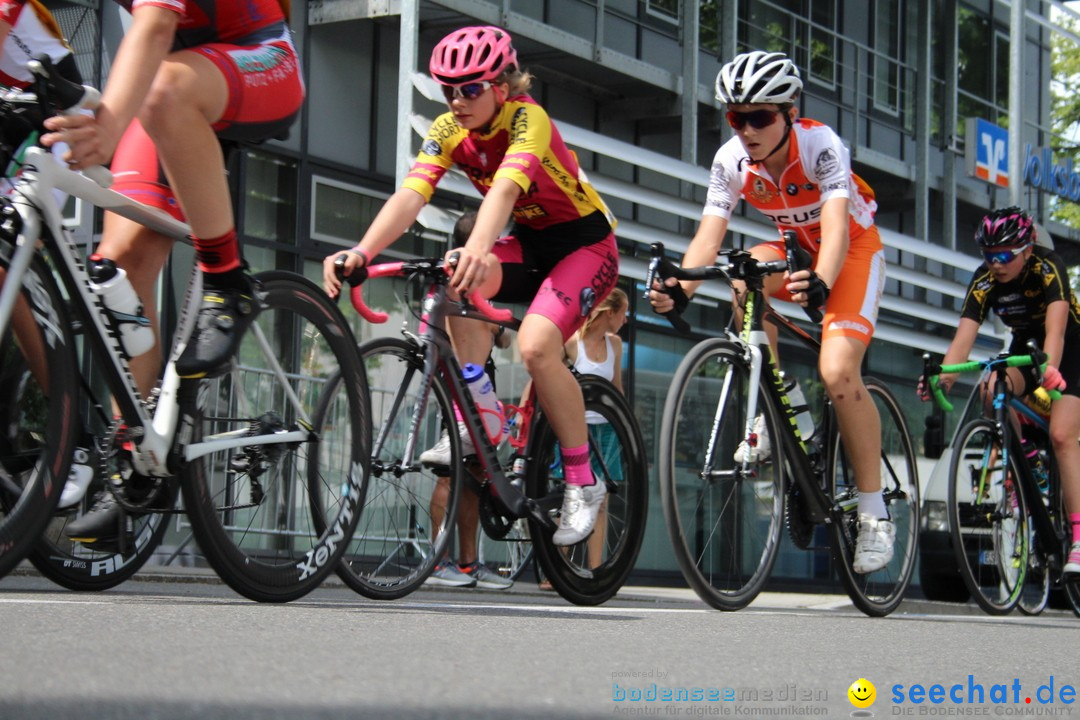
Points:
(798, 173)
(560, 255)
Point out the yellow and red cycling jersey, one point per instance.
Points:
(818, 168)
(521, 144)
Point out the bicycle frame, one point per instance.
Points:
(796, 450)
(1011, 443)
(439, 358)
(1001, 401)
(153, 436)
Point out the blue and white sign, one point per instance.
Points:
(987, 152)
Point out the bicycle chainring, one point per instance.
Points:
(495, 525)
(134, 493)
(800, 527)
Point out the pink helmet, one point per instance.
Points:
(472, 54)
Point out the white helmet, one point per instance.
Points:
(758, 77)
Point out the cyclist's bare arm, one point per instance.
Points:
(474, 263)
(835, 242)
(1057, 317)
(959, 350)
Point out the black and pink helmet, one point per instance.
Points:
(472, 54)
(1008, 227)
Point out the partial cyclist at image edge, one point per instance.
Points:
(186, 77)
(798, 174)
(560, 256)
(1026, 286)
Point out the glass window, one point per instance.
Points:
(666, 9)
(270, 190)
(887, 56)
(822, 41)
(341, 212)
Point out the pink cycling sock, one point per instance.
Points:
(1074, 518)
(576, 465)
(219, 254)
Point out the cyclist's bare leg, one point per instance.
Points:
(541, 344)
(28, 338)
(468, 519)
(142, 253)
(840, 365)
(189, 93)
(1064, 430)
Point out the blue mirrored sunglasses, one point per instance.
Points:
(469, 91)
(1004, 257)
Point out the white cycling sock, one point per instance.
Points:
(873, 503)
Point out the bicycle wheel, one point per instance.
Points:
(249, 511)
(987, 518)
(724, 523)
(509, 556)
(1035, 593)
(880, 592)
(82, 567)
(408, 516)
(37, 411)
(593, 570)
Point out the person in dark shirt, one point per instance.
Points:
(1027, 287)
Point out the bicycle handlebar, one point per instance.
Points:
(731, 264)
(434, 268)
(932, 370)
(58, 95)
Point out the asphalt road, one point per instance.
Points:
(184, 646)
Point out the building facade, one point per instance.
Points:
(630, 84)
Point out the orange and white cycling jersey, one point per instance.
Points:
(33, 32)
(818, 168)
(521, 144)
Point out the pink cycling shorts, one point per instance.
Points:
(562, 286)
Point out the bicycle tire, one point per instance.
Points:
(85, 568)
(987, 519)
(257, 529)
(879, 593)
(509, 556)
(395, 546)
(724, 526)
(1035, 593)
(1072, 595)
(40, 428)
(624, 464)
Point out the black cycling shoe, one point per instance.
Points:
(102, 524)
(224, 317)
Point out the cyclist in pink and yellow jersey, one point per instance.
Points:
(187, 75)
(560, 255)
(798, 173)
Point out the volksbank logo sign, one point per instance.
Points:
(987, 158)
(1040, 172)
(987, 152)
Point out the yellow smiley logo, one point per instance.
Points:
(862, 693)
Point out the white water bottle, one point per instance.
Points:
(486, 402)
(803, 418)
(111, 282)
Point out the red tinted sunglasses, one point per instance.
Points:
(758, 119)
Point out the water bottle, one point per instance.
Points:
(486, 402)
(803, 418)
(1040, 465)
(112, 284)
